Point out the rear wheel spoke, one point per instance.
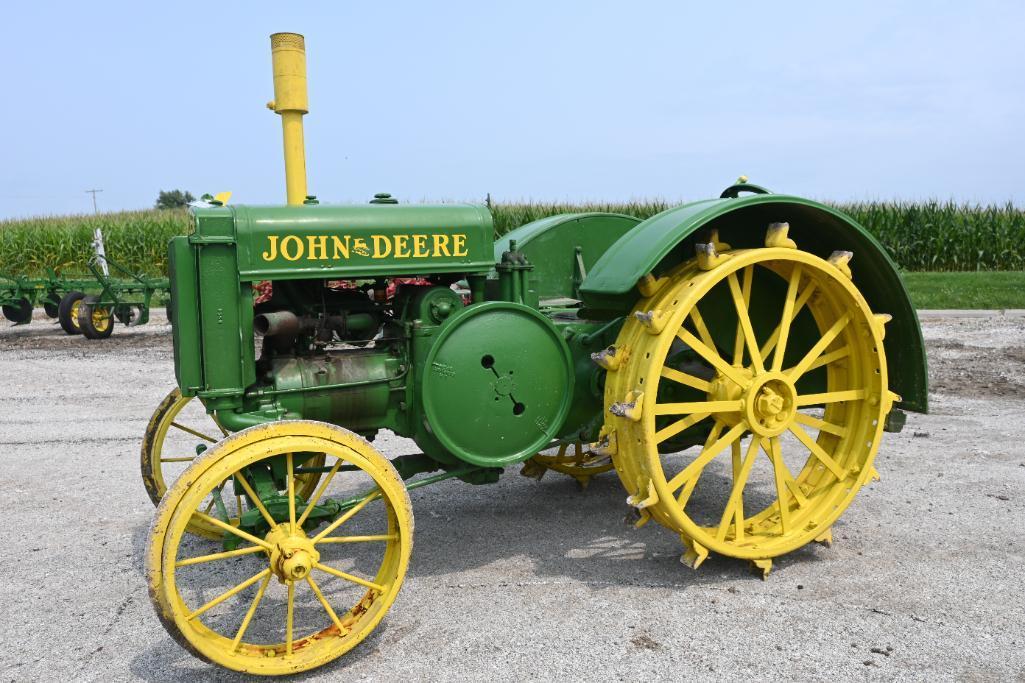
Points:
(745, 332)
(678, 426)
(817, 451)
(787, 318)
(734, 510)
(698, 407)
(830, 397)
(694, 469)
(802, 299)
(686, 380)
(712, 356)
(820, 346)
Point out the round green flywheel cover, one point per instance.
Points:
(497, 383)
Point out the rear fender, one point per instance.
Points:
(668, 239)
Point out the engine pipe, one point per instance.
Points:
(288, 54)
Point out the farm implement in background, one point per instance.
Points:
(127, 298)
(19, 295)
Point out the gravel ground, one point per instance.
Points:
(538, 580)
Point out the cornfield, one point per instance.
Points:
(928, 236)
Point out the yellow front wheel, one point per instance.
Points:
(772, 363)
(178, 432)
(299, 582)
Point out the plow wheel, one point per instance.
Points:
(301, 582)
(574, 460)
(178, 432)
(95, 322)
(771, 360)
(18, 313)
(67, 312)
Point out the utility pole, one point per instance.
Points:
(93, 193)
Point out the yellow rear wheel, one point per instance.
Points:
(296, 590)
(769, 361)
(178, 432)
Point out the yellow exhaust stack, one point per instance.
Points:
(288, 53)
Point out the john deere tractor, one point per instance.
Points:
(736, 361)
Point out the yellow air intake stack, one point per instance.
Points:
(288, 54)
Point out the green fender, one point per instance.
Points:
(563, 248)
(668, 238)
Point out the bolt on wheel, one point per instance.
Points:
(179, 431)
(769, 358)
(300, 581)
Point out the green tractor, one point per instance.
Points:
(728, 358)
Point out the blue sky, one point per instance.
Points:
(525, 100)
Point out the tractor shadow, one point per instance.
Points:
(526, 531)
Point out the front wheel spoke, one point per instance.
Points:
(734, 505)
(830, 397)
(686, 380)
(699, 407)
(320, 491)
(820, 346)
(219, 556)
(227, 594)
(193, 432)
(821, 425)
(326, 605)
(289, 617)
(678, 426)
(241, 478)
(816, 450)
(359, 539)
(250, 612)
(694, 469)
(745, 332)
(184, 459)
(349, 577)
(711, 356)
(290, 465)
(349, 514)
(235, 530)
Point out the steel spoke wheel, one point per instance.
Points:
(572, 459)
(771, 360)
(179, 431)
(300, 582)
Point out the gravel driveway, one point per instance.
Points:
(537, 580)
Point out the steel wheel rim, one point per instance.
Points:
(689, 284)
(153, 460)
(309, 649)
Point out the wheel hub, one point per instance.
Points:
(293, 556)
(770, 404)
(725, 389)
